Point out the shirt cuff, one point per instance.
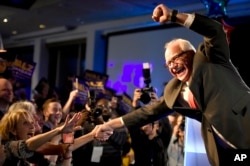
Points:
(189, 20)
(121, 120)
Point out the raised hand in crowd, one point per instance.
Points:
(67, 106)
(136, 97)
(70, 124)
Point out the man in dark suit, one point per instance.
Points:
(222, 99)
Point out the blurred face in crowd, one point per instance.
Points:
(53, 113)
(172, 119)
(148, 128)
(180, 120)
(105, 106)
(6, 91)
(181, 132)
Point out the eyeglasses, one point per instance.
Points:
(173, 59)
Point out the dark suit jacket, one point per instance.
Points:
(222, 96)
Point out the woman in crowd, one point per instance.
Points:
(29, 106)
(17, 133)
(20, 124)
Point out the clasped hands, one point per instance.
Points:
(103, 132)
(100, 132)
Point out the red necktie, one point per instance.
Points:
(191, 100)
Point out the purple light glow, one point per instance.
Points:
(130, 76)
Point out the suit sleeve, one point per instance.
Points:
(215, 45)
(146, 114)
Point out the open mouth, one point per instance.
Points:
(179, 70)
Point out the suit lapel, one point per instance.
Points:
(172, 90)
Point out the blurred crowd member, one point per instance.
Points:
(17, 133)
(66, 88)
(96, 153)
(51, 148)
(29, 106)
(44, 91)
(40, 93)
(173, 118)
(150, 142)
(176, 146)
(6, 96)
(52, 111)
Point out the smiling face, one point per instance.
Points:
(53, 113)
(179, 59)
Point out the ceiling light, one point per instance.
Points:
(5, 20)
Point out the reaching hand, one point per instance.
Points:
(73, 94)
(161, 14)
(103, 132)
(69, 124)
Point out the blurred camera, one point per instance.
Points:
(148, 89)
(146, 94)
(95, 110)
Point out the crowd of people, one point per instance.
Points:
(50, 129)
(32, 131)
(36, 133)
